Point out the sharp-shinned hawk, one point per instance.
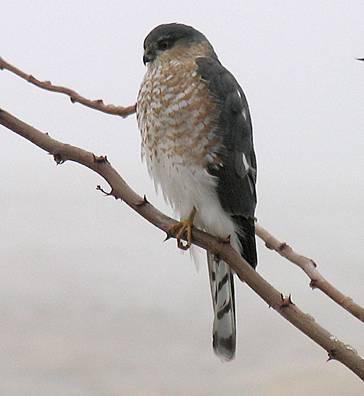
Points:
(197, 142)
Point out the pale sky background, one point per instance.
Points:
(91, 301)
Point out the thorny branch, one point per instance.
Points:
(307, 265)
(335, 348)
(310, 269)
(75, 97)
(284, 305)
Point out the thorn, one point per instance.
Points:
(99, 101)
(313, 284)
(168, 236)
(58, 159)
(331, 355)
(360, 59)
(313, 263)
(107, 194)
(144, 201)
(100, 159)
(286, 301)
(282, 246)
(72, 99)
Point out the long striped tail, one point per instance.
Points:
(223, 301)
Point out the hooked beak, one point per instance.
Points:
(148, 56)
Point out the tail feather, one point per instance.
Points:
(223, 301)
(246, 236)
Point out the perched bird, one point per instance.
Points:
(197, 142)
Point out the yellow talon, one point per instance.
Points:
(183, 229)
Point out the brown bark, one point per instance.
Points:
(75, 97)
(335, 348)
(310, 269)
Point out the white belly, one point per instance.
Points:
(185, 187)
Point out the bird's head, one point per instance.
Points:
(174, 37)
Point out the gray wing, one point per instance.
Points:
(237, 176)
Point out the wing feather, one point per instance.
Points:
(237, 175)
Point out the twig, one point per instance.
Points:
(310, 269)
(317, 280)
(73, 95)
(336, 349)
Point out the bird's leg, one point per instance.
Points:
(183, 229)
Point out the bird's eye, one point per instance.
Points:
(163, 45)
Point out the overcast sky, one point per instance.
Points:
(91, 301)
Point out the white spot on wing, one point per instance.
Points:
(246, 163)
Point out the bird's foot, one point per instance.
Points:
(183, 230)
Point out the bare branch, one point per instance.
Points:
(335, 348)
(310, 269)
(75, 97)
(308, 266)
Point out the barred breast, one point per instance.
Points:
(177, 118)
(175, 114)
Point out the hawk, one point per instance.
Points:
(197, 142)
